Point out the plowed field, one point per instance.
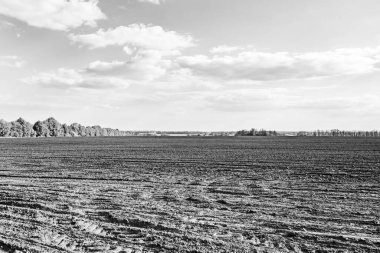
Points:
(190, 195)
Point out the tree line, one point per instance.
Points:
(340, 133)
(256, 132)
(316, 133)
(52, 128)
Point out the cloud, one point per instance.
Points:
(352, 103)
(145, 66)
(136, 37)
(69, 79)
(53, 14)
(225, 49)
(102, 66)
(284, 99)
(150, 50)
(11, 61)
(6, 24)
(151, 1)
(242, 100)
(235, 64)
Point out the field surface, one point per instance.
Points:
(190, 195)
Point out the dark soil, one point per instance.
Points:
(190, 195)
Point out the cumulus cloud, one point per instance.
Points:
(145, 66)
(150, 50)
(265, 66)
(53, 14)
(11, 61)
(102, 66)
(136, 37)
(70, 78)
(225, 49)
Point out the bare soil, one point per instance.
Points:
(190, 195)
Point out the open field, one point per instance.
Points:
(190, 195)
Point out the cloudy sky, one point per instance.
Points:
(192, 64)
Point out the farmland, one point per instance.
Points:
(130, 194)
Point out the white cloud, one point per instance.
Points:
(225, 49)
(352, 103)
(264, 66)
(145, 66)
(242, 100)
(102, 66)
(69, 78)
(6, 24)
(136, 37)
(53, 14)
(11, 61)
(150, 50)
(151, 1)
(281, 99)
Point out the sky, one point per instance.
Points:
(212, 65)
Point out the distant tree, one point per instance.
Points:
(97, 131)
(16, 129)
(78, 129)
(82, 131)
(66, 130)
(90, 131)
(75, 128)
(242, 133)
(41, 129)
(5, 128)
(110, 132)
(54, 127)
(27, 128)
(104, 132)
(255, 132)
